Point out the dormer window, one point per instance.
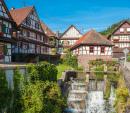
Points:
(121, 30)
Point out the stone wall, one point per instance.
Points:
(84, 59)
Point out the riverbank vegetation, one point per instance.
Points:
(34, 91)
(68, 62)
(122, 95)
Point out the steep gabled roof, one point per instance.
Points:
(92, 38)
(5, 7)
(69, 28)
(125, 21)
(46, 28)
(20, 14)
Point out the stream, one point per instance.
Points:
(89, 99)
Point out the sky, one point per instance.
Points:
(84, 14)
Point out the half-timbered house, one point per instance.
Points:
(121, 35)
(68, 38)
(32, 40)
(7, 26)
(91, 46)
(53, 42)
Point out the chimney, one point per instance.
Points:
(57, 33)
(12, 8)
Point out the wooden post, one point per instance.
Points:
(105, 84)
(87, 78)
(105, 68)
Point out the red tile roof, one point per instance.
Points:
(69, 28)
(92, 37)
(48, 31)
(105, 37)
(20, 14)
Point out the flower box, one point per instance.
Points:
(2, 56)
(115, 39)
(1, 33)
(115, 46)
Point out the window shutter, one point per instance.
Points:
(62, 49)
(4, 28)
(28, 34)
(21, 31)
(28, 46)
(21, 44)
(30, 22)
(78, 50)
(41, 37)
(62, 42)
(36, 36)
(72, 52)
(68, 42)
(5, 49)
(75, 51)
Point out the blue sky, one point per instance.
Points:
(84, 14)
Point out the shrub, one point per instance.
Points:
(79, 68)
(54, 51)
(128, 58)
(100, 59)
(42, 72)
(43, 97)
(5, 92)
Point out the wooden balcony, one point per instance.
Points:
(115, 39)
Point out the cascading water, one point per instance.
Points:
(95, 102)
(77, 97)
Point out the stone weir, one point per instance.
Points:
(77, 97)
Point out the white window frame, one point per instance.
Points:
(128, 29)
(121, 30)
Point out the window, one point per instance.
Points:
(28, 21)
(128, 29)
(91, 49)
(32, 12)
(102, 49)
(121, 30)
(25, 46)
(36, 25)
(4, 28)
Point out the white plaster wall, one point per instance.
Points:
(72, 32)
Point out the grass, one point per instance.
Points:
(61, 68)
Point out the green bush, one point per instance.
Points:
(42, 72)
(54, 51)
(128, 58)
(79, 68)
(44, 97)
(100, 59)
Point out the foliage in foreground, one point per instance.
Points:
(108, 90)
(39, 94)
(43, 97)
(122, 94)
(5, 92)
